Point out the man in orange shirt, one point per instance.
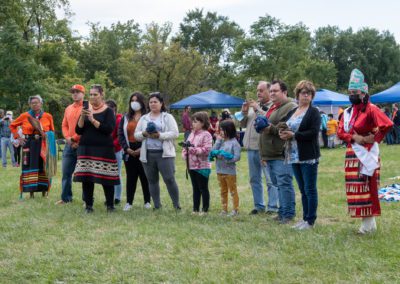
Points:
(71, 116)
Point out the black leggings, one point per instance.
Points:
(88, 189)
(200, 190)
(17, 154)
(134, 170)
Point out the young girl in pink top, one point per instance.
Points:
(199, 167)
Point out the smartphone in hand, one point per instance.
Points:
(85, 104)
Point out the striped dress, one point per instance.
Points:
(96, 157)
(34, 177)
(361, 189)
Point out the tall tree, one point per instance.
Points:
(20, 75)
(213, 35)
(103, 49)
(166, 66)
(275, 50)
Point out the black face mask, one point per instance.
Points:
(355, 99)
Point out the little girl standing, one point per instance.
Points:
(227, 152)
(199, 167)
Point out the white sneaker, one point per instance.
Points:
(298, 224)
(233, 213)
(368, 225)
(147, 205)
(127, 207)
(305, 226)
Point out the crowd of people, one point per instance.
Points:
(281, 141)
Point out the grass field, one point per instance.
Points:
(44, 243)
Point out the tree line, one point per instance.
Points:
(40, 54)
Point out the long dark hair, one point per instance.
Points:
(140, 99)
(229, 129)
(158, 96)
(98, 87)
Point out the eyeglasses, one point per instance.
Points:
(305, 93)
(75, 92)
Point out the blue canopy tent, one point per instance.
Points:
(209, 99)
(325, 97)
(391, 95)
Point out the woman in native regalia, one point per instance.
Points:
(362, 127)
(38, 148)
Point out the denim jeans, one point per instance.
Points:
(396, 132)
(273, 194)
(331, 141)
(389, 138)
(282, 178)
(68, 167)
(118, 188)
(6, 143)
(306, 177)
(255, 173)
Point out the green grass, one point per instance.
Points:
(44, 243)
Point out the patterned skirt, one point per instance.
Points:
(33, 177)
(361, 190)
(97, 165)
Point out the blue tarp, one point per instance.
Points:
(391, 95)
(325, 97)
(209, 99)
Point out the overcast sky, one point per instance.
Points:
(381, 15)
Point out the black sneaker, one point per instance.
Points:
(254, 212)
(277, 218)
(88, 210)
(285, 221)
(117, 201)
(271, 212)
(110, 209)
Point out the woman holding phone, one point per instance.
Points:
(96, 158)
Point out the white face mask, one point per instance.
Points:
(135, 106)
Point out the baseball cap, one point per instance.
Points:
(9, 113)
(78, 87)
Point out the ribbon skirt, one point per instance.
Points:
(361, 190)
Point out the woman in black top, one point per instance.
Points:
(302, 150)
(96, 158)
